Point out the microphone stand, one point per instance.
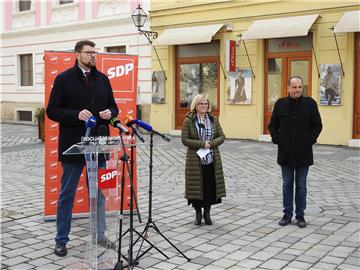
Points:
(150, 223)
(131, 230)
(163, 136)
(124, 159)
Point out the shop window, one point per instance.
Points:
(198, 73)
(198, 79)
(199, 50)
(24, 5)
(274, 79)
(274, 66)
(116, 49)
(26, 70)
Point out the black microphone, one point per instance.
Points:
(114, 122)
(149, 128)
(129, 122)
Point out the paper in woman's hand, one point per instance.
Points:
(202, 152)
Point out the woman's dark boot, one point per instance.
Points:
(198, 216)
(207, 215)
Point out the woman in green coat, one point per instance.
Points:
(204, 177)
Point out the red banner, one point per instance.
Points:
(122, 71)
(231, 55)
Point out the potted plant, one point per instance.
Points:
(40, 117)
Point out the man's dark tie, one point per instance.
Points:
(87, 74)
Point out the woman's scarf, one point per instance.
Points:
(206, 133)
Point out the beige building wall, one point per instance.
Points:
(246, 121)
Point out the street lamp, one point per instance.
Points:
(139, 18)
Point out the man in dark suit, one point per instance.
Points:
(295, 126)
(78, 93)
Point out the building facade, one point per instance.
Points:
(241, 54)
(31, 27)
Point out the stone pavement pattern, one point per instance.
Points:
(245, 234)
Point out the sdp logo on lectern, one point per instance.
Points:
(107, 178)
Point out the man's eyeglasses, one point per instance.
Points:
(89, 53)
(202, 104)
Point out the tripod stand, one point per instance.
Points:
(124, 159)
(150, 223)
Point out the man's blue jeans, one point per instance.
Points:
(69, 183)
(291, 175)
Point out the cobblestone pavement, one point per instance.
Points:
(245, 233)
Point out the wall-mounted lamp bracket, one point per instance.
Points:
(150, 35)
(337, 47)
(246, 51)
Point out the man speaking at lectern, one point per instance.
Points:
(78, 94)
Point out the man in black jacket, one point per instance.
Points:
(78, 93)
(295, 126)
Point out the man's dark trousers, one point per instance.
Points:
(291, 176)
(69, 183)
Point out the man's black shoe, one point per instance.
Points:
(60, 249)
(300, 221)
(285, 221)
(106, 243)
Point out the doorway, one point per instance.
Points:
(285, 58)
(197, 72)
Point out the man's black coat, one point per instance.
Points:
(295, 126)
(71, 94)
